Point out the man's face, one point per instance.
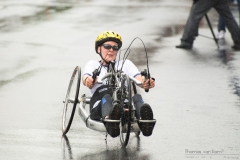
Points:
(109, 51)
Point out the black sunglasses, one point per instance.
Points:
(108, 47)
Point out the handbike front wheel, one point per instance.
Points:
(134, 91)
(71, 100)
(125, 125)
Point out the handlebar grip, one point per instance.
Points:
(147, 76)
(95, 74)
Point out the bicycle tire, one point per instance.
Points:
(126, 118)
(71, 100)
(134, 91)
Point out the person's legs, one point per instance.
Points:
(102, 109)
(221, 28)
(146, 113)
(221, 25)
(198, 10)
(106, 105)
(143, 112)
(238, 1)
(138, 102)
(96, 112)
(223, 9)
(113, 112)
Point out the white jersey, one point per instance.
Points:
(128, 67)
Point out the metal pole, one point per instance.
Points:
(210, 26)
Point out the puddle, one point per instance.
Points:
(225, 55)
(172, 30)
(138, 55)
(235, 85)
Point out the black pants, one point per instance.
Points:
(104, 106)
(199, 9)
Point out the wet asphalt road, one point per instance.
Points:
(196, 100)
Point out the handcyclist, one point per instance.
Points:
(102, 107)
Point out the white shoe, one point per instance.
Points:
(235, 2)
(221, 35)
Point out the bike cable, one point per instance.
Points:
(128, 51)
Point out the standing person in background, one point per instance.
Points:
(239, 12)
(198, 10)
(221, 24)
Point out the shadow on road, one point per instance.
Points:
(122, 153)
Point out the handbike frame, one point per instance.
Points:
(123, 87)
(98, 125)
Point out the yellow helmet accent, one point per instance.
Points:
(108, 36)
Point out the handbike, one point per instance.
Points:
(123, 89)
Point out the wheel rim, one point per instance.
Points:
(125, 125)
(71, 100)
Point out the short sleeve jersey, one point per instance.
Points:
(128, 67)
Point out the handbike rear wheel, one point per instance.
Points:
(125, 125)
(71, 100)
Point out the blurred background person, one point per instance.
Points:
(221, 24)
(198, 10)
